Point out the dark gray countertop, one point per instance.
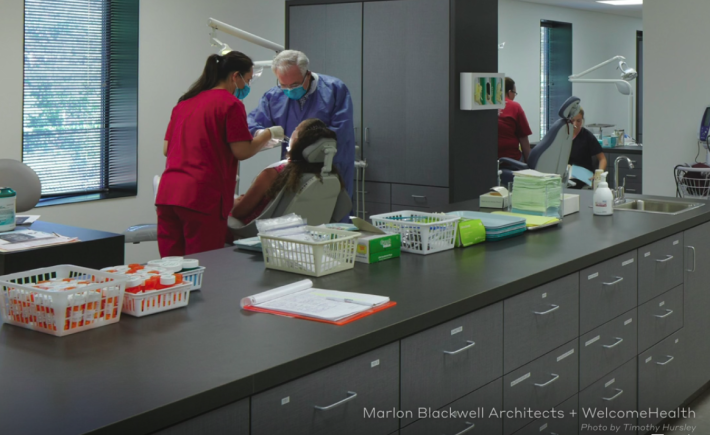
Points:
(143, 374)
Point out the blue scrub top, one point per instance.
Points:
(331, 103)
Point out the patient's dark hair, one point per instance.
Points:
(310, 131)
(509, 84)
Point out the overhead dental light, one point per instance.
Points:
(621, 2)
(622, 84)
(239, 33)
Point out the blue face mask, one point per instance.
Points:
(242, 93)
(295, 94)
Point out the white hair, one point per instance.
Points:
(288, 58)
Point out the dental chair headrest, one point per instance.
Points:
(570, 108)
(316, 153)
(322, 151)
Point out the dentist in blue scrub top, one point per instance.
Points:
(301, 94)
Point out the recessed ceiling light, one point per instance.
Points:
(621, 2)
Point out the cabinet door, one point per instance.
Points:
(331, 37)
(697, 302)
(660, 267)
(405, 91)
(615, 392)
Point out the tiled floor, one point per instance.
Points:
(701, 421)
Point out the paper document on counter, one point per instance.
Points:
(19, 240)
(302, 299)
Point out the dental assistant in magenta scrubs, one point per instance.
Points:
(207, 136)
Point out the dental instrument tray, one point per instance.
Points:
(422, 233)
(313, 251)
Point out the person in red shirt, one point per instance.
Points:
(206, 137)
(513, 127)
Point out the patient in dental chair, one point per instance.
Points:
(274, 178)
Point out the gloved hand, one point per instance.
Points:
(277, 132)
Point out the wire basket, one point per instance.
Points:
(97, 302)
(422, 233)
(156, 301)
(320, 251)
(194, 277)
(692, 182)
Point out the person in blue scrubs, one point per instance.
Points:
(301, 94)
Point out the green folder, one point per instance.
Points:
(470, 232)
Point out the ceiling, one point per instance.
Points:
(592, 5)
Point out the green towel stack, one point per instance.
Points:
(536, 193)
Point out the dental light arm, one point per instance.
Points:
(239, 33)
(622, 85)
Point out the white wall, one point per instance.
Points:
(676, 68)
(174, 44)
(596, 37)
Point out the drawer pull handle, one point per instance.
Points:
(542, 313)
(670, 358)
(351, 396)
(630, 175)
(423, 197)
(619, 393)
(618, 342)
(663, 316)
(693, 248)
(631, 190)
(555, 377)
(471, 426)
(618, 280)
(470, 345)
(668, 258)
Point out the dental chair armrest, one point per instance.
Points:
(515, 165)
(141, 233)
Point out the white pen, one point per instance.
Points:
(349, 301)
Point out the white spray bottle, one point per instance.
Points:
(603, 198)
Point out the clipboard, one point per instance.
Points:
(340, 322)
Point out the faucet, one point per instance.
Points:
(619, 190)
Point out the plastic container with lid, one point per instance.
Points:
(8, 200)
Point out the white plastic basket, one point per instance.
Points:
(156, 301)
(422, 233)
(334, 251)
(66, 312)
(194, 277)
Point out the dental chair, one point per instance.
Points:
(318, 201)
(551, 154)
(23, 180)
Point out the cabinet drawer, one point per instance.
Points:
(419, 196)
(232, 419)
(315, 404)
(606, 348)
(568, 424)
(540, 320)
(373, 208)
(660, 317)
(661, 372)
(487, 398)
(607, 290)
(377, 192)
(615, 392)
(542, 384)
(632, 175)
(449, 361)
(636, 188)
(660, 267)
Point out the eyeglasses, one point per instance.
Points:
(293, 86)
(514, 92)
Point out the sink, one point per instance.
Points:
(656, 206)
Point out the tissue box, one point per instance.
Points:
(571, 203)
(373, 248)
(488, 200)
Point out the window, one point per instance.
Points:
(555, 69)
(81, 97)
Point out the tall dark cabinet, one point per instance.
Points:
(401, 61)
